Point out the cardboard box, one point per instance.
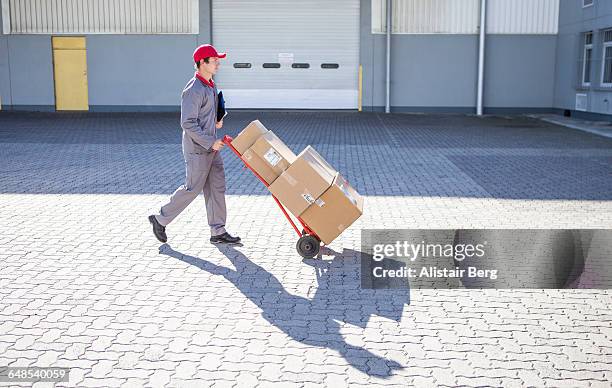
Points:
(248, 136)
(303, 182)
(269, 156)
(336, 209)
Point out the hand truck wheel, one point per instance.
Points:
(308, 246)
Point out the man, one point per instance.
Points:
(203, 163)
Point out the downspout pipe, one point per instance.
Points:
(388, 70)
(481, 56)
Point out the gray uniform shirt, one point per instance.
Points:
(198, 117)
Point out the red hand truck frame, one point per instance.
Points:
(309, 243)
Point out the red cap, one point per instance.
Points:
(206, 50)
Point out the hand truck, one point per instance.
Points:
(308, 244)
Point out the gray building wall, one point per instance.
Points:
(519, 72)
(125, 72)
(438, 72)
(30, 71)
(573, 22)
(136, 72)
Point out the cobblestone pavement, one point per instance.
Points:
(602, 128)
(83, 283)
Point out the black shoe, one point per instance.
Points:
(225, 238)
(158, 229)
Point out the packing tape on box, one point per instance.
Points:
(291, 180)
(320, 202)
(347, 194)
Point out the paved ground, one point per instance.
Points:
(84, 285)
(602, 128)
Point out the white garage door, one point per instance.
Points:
(288, 53)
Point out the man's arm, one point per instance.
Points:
(190, 107)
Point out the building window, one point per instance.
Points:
(606, 71)
(100, 17)
(587, 3)
(587, 56)
(463, 17)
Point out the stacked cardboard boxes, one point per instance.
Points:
(308, 186)
(269, 156)
(302, 183)
(263, 151)
(248, 136)
(334, 211)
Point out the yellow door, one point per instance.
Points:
(70, 72)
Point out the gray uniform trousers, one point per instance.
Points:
(204, 172)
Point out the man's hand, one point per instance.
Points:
(219, 124)
(218, 144)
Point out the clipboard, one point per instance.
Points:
(221, 112)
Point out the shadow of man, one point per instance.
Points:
(313, 321)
